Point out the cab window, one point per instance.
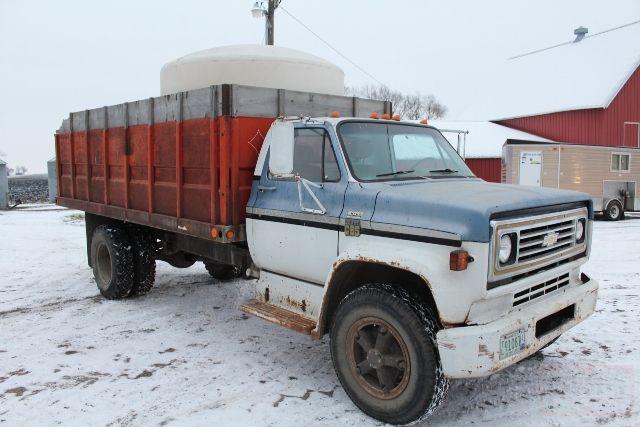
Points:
(313, 156)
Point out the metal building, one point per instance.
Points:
(4, 185)
(52, 178)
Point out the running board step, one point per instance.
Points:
(278, 315)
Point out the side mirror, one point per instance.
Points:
(280, 143)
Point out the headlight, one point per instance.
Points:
(580, 231)
(506, 249)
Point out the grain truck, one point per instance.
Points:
(344, 219)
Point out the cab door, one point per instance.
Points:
(295, 221)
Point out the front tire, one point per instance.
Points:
(112, 262)
(383, 347)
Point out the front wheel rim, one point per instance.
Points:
(378, 358)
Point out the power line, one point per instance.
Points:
(571, 42)
(330, 45)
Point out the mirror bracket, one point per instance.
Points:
(307, 185)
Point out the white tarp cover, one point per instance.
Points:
(252, 65)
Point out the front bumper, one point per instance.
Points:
(474, 351)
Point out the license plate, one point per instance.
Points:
(511, 344)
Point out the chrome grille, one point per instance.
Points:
(540, 289)
(532, 244)
(539, 240)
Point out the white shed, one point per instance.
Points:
(4, 185)
(52, 178)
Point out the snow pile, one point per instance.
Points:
(185, 355)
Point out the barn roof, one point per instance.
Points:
(485, 139)
(571, 76)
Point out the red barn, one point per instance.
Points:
(585, 91)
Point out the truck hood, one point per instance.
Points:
(461, 206)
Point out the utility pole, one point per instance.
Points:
(268, 13)
(269, 18)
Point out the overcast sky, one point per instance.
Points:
(69, 55)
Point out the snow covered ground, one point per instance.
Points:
(185, 355)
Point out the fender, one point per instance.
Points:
(430, 262)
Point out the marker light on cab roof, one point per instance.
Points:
(374, 115)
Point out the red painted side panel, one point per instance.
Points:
(593, 126)
(488, 169)
(199, 169)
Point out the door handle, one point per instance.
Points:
(265, 188)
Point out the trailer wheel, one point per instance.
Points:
(614, 211)
(112, 261)
(221, 271)
(144, 263)
(383, 347)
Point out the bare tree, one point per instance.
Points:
(21, 170)
(413, 107)
(433, 108)
(9, 171)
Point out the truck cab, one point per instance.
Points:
(377, 231)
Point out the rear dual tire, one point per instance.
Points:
(123, 263)
(144, 263)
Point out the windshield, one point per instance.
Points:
(386, 151)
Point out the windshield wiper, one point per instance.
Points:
(447, 170)
(395, 173)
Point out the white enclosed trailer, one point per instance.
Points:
(610, 175)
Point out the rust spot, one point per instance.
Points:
(484, 351)
(449, 345)
(302, 305)
(495, 368)
(448, 325)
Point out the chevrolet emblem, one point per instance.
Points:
(550, 239)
